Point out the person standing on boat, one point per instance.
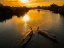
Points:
(31, 28)
(37, 28)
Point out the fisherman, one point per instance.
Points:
(37, 28)
(31, 28)
(31, 31)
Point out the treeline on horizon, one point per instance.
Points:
(6, 12)
(55, 8)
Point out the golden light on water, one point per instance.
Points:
(24, 1)
(26, 18)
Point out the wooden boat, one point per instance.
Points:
(26, 40)
(46, 34)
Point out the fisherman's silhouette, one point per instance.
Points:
(38, 29)
(31, 28)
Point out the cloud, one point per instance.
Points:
(47, 2)
(32, 2)
(1, 1)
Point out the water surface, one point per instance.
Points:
(12, 31)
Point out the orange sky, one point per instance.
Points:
(31, 2)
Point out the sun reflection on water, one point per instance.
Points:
(33, 19)
(26, 18)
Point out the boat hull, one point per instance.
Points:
(47, 35)
(26, 40)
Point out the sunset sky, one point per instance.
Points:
(31, 2)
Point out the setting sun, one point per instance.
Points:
(24, 1)
(26, 18)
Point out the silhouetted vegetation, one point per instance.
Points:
(6, 12)
(55, 8)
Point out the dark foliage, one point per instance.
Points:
(6, 12)
(55, 8)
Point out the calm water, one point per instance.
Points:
(12, 31)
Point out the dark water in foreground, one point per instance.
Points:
(12, 31)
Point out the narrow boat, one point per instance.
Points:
(46, 34)
(26, 40)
